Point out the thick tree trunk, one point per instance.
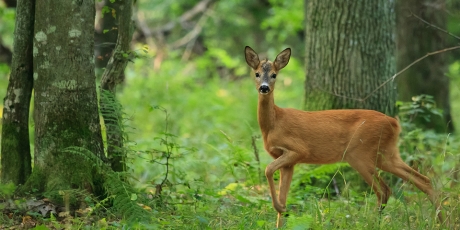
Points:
(113, 74)
(16, 159)
(415, 39)
(349, 53)
(66, 109)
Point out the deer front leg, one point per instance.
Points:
(271, 184)
(285, 162)
(284, 185)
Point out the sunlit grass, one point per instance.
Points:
(217, 117)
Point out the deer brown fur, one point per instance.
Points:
(366, 139)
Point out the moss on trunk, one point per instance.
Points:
(16, 159)
(65, 106)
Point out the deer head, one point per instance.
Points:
(265, 70)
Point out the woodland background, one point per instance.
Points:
(185, 116)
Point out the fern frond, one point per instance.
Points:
(125, 200)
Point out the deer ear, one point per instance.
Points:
(282, 59)
(251, 57)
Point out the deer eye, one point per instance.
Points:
(274, 75)
(257, 75)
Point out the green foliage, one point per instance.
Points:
(105, 10)
(419, 111)
(192, 159)
(454, 78)
(211, 102)
(7, 17)
(426, 148)
(300, 222)
(215, 116)
(125, 200)
(453, 21)
(285, 20)
(218, 183)
(164, 156)
(123, 195)
(6, 190)
(113, 130)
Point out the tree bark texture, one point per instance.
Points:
(349, 53)
(110, 108)
(415, 39)
(15, 149)
(65, 106)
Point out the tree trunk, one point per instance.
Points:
(65, 107)
(113, 74)
(415, 39)
(16, 159)
(349, 53)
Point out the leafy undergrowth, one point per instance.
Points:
(196, 165)
(239, 207)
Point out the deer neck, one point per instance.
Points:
(266, 112)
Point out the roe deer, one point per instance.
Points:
(366, 139)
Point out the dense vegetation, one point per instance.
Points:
(195, 154)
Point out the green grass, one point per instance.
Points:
(216, 117)
(217, 184)
(214, 180)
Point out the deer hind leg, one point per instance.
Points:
(370, 175)
(284, 185)
(405, 172)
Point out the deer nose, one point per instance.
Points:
(264, 89)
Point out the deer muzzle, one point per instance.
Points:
(264, 89)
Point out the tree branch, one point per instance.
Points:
(190, 35)
(187, 16)
(434, 26)
(407, 67)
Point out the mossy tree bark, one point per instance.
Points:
(65, 106)
(16, 158)
(349, 53)
(415, 39)
(112, 76)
